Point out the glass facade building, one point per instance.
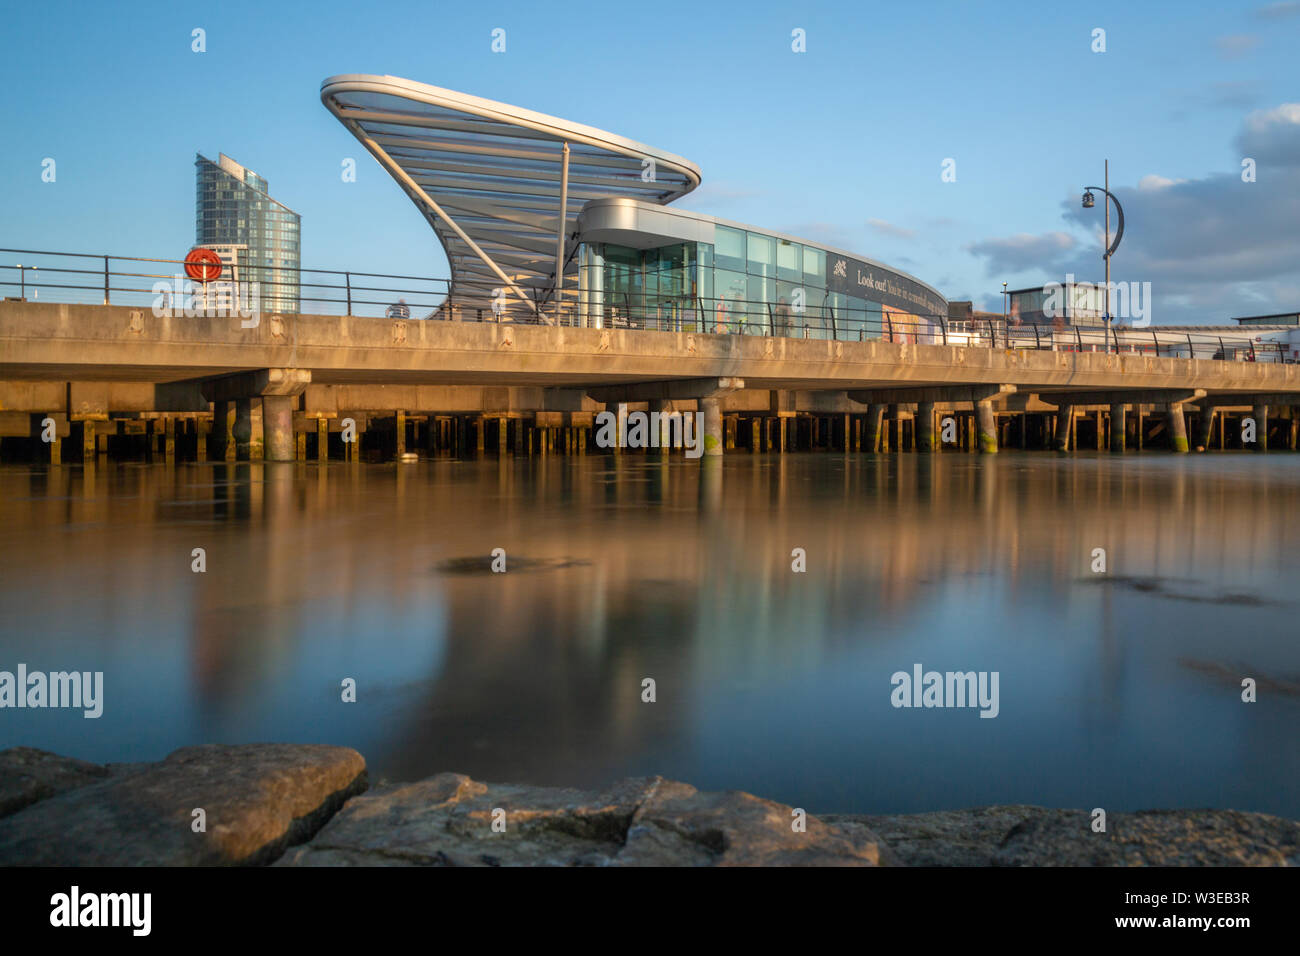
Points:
(731, 278)
(234, 209)
(551, 221)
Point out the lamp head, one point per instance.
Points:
(1088, 199)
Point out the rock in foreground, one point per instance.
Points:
(28, 775)
(447, 821)
(1038, 836)
(258, 799)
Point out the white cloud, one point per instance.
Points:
(1157, 182)
(1236, 45)
(889, 229)
(1211, 247)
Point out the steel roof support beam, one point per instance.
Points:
(398, 173)
(564, 224)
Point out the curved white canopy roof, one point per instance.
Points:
(492, 179)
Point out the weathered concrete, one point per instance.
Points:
(1205, 425)
(242, 431)
(277, 426)
(61, 341)
(1118, 427)
(1064, 428)
(1260, 414)
(925, 439)
(1177, 428)
(987, 424)
(712, 422)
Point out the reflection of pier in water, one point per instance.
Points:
(681, 573)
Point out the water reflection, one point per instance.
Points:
(1119, 690)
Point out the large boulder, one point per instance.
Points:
(258, 799)
(447, 820)
(28, 775)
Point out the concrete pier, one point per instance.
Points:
(925, 438)
(1118, 427)
(987, 424)
(243, 429)
(277, 428)
(1205, 426)
(712, 415)
(1177, 428)
(1064, 426)
(1260, 414)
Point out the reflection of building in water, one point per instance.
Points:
(311, 570)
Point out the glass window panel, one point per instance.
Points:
(789, 264)
(814, 267)
(762, 255)
(729, 248)
(732, 289)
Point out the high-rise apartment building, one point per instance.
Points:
(235, 214)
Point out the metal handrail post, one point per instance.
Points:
(347, 277)
(106, 280)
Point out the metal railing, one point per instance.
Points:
(149, 282)
(134, 280)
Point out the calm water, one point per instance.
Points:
(1121, 691)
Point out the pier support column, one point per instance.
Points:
(169, 440)
(277, 427)
(925, 426)
(783, 439)
(399, 433)
(987, 423)
(88, 448)
(1205, 426)
(243, 429)
(1177, 428)
(219, 439)
(895, 428)
(322, 439)
(1118, 427)
(1260, 414)
(712, 410)
(875, 417)
(1065, 419)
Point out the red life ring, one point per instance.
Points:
(203, 265)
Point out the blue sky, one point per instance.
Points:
(842, 144)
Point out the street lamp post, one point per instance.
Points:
(1088, 202)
